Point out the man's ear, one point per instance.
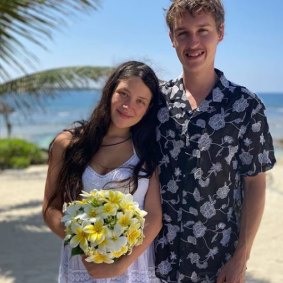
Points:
(221, 32)
(171, 38)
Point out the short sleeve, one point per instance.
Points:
(256, 153)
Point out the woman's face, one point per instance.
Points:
(130, 102)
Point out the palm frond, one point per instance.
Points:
(34, 21)
(37, 85)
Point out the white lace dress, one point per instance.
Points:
(142, 270)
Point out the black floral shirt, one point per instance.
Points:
(204, 156)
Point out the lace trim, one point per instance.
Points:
(134, 276)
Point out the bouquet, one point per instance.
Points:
(104, 225)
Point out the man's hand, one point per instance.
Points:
(233, 271)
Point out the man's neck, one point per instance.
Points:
(198, 86)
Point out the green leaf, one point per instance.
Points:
(77, 251)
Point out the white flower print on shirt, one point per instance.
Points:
(263, 158)
(163, 115)
(246, 158)
(199, 229)
(217, 95)
(256, 127)
(208, 209)
(204, 142)
(164, 267)
(240, 105)
(217, 121)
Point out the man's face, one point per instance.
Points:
(195, 39)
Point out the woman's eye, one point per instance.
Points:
(140, 102)
(122, 94)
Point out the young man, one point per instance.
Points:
(215, 147)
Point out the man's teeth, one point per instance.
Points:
(194, 54)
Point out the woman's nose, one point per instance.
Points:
(125, 106)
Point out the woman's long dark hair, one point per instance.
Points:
(87, 135)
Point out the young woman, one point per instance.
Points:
(116, 145)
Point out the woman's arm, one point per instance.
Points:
(53, 214)
(153, 224)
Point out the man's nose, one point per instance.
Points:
(193, 39)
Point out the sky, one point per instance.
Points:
(250, 54)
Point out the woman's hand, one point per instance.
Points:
(103, 270)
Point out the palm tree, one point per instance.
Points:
(34, 21)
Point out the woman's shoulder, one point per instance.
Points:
(61, 142)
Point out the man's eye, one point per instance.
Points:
(203, 31)
(181, 34)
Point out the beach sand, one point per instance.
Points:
(29, 252)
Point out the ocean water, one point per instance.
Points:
(40, 126)
(57, 113)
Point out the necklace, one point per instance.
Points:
(117, 142)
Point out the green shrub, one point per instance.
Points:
(18, 153)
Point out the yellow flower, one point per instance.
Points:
(104, 246)
(125, 219)
(92, 212)
(115, 197)
(109, 209)
(133, 234)
(121, 252)
(80, 237)
(99, 257)
(96, 232)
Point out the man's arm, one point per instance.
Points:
(252, 211)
